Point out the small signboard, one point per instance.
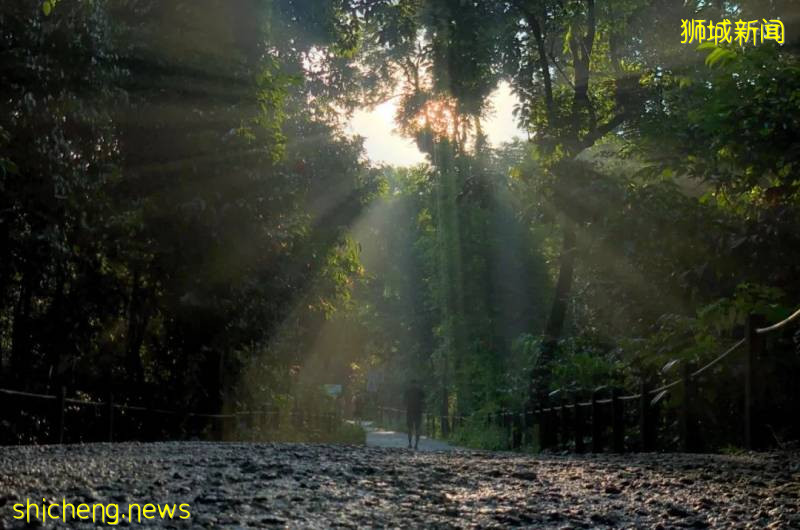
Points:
(333, 390)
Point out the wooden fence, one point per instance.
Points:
(600, 422)
(560, 423)
(71, 419)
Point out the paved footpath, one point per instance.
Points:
(238, 485)
(399, 440)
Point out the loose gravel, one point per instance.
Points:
(234, 485)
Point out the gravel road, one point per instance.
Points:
(237, 485)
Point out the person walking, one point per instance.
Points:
(414, 400)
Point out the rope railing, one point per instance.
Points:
(512, 420)
(121, 406)
(326, 419)
(677, 382)
(606, 401)
(779, 325)
(507, 417)
(719, 358)
(10, 392)
(654, 391)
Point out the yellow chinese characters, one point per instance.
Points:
(742, 32)
(772, 30)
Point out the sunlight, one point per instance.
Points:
(385, 145)
(439, 116)
(499, 125)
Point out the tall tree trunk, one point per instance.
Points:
(444, 416)
(558, 312)
(540, 374)
(581, 47)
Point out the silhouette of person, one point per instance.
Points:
(414, 399)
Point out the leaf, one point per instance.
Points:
(47, 8)
(721, 56)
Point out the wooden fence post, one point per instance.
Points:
(60, 415)
(185, 426)
(597, 424)
(544, 426)
(755, 349)
(230, 427)
(507, 429)
(110, 415)
(617, 422)
(259, 418)
(646, 419)
(250, 424)
(577, 423)
(149, 424)
(564, 424)
(688, 421)
(275, 421)
(517, 431)
(530, 419)
(217, 426)
(6, 417)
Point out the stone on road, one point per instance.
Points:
(238, 485)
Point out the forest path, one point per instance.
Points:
(399, 440)
(258, 485)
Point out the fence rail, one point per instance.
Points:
(573, 421)
(298, 417)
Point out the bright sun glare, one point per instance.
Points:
(385, 145)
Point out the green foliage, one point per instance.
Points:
(728, 313)
(170, 200)
(48, 6)
(476, 435)
(582, 365)
(740, 112)
(717, 56)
